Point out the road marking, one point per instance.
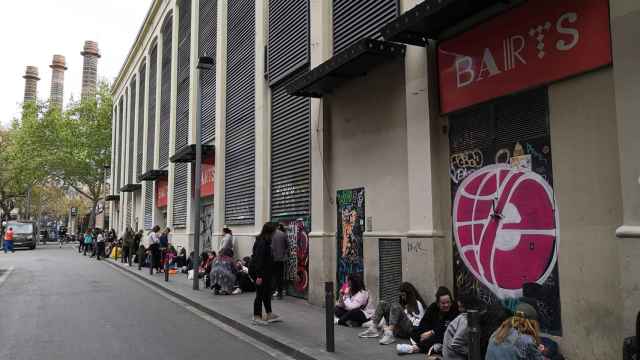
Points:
(5, 275)
(276, 354)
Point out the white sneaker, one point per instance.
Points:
(335, 320)
(404, 349)
(367, 324)
(387, 338)
(371, 332)
(237, 291)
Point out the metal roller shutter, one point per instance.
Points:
(118, 160)
(141, 111)
(184, 56)
(390, 255)
(290, 154)
(208, 45)
(132, 120)
(240, 122)
(288, 48)
(181, 177)
(165, 93)
(151, 127)
(148, 205)
(357, 19)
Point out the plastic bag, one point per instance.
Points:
(190, 275)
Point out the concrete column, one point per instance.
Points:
(145, 132)
(221, 87)
(31, 84)
(193, 101)
(625, 15)
(156, 145)
(91, 55)
(58, 67)
(322, 243)
(262, 119)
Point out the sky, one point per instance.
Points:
(32, 31)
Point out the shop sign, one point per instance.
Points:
(534, 44)
(161, 193)
(207, 175)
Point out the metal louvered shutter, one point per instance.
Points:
(151, 127)
(290, 154)
(141, 111)
(390, 258)
(180, 180)
(357, 19)
(240, 123)
(184, 56)
(288, 47)
(129, 207)
(208, 45)
(148, 205)
(132, 121)
(119, 143)
(165, 93)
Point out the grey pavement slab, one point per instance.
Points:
(58, 304)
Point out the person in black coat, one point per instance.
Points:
(261, 269)
(434, 322)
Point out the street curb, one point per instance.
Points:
(269, 341)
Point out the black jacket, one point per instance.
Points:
(436, 321)
(261, 259)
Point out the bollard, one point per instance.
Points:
(166, 270)
(329, 305)
(475, 351)
(140, 260)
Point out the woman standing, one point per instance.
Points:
(261, 270)
(518, 338)
(154, 248)
(88, 240)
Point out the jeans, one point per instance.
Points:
(86, 247)
(155, 257)
(355, 315)
(100, 250)
(263, 296)
(8, 246)
(278, 276)
(395, 317)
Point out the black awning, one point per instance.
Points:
(429, 19)
(153, 175)
(130, 188)
(188, 153)
(112, 198)
(354, 61)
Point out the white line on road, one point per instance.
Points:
(276, 354)
(5, 275)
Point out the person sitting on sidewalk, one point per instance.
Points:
(430, 332)
(244, 281)
(518, 337)
(351, 309)
(180, 260)
(455, 345)
(223, 273)
(400, 317)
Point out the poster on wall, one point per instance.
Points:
(351, 216)
(505, 222)
(297, 267)
(206, 227)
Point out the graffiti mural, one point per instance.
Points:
(206, 227)
(505, 228)
(297, 267)
(351, 215)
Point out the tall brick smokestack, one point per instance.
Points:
(31, 83)
(90, 68)
(58, 66)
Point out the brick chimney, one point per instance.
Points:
(58, 66)
(31, 83)
(90, 68)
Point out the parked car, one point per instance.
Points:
(25, 233)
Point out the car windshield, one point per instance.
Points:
(21, 228)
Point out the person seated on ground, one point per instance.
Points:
(351, 309)
(430, 332)
(189, 265)
(180, 260)
(455, 345)
(170, 256)
(223, 273)
(400, 317)
(206, 260)
(518, 337)
(244, 282)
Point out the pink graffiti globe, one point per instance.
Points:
(505, 227)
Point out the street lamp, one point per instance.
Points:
(205, 63)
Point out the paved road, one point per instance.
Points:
(57, 304)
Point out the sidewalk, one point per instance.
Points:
(301, 334)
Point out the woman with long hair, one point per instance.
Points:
(518, 337)
(351, 307)
(400, 317)
(261, 269)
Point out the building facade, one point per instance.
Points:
(483, 145)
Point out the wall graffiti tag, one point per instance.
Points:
(297, 271)
(464, 164)
(351, 215)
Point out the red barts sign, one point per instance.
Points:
(207, 174)
(537, 43)
(161, 193)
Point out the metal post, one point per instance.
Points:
(475, 352)
(195, 202)
(329, 306)
(166, 267)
